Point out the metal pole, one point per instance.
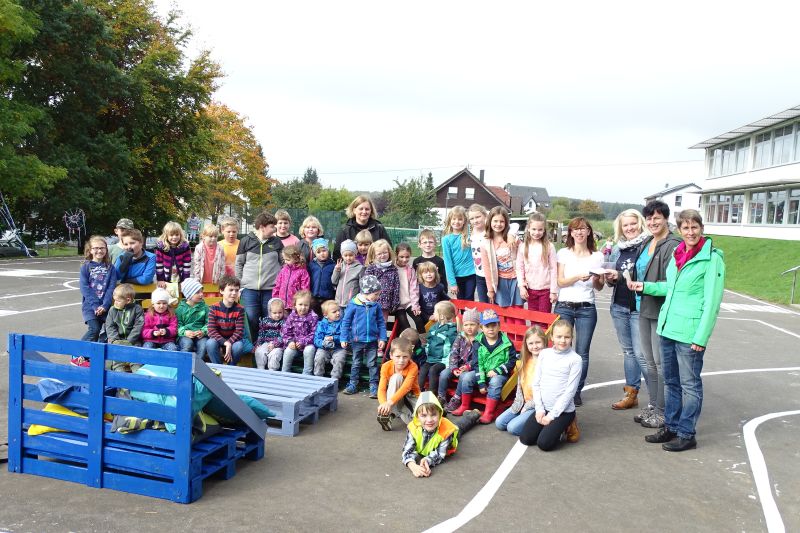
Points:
(794, 283)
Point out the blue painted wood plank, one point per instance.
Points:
(97, 375)
(157, 439)
(76, 474)
(64, 372)
(183, 432)
(141, 383)
(150, 411)
(53, 420)
(15, 346)
(51, 445)
(143, 486)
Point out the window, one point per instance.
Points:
(757, 207)
(797, 142)
(776, 201)
(470, 193)
(794, 207)
(678, 200)
(782, 145)
(452, 192)
(711, 207)
(728, 159)
(723, 208)
(742, 152)
(715, 163)
(737, 206)
(762, 158)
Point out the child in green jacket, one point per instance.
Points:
(192, 318)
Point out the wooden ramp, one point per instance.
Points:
(293, 397)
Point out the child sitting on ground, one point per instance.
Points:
(514, 418)
(320, 271)
(460, 354)
(363, 242)
(293, 276)
(431, 437)
(298, 333)
(124, 325)
(192, 318)
(269, 344)
(226, 324)
(495, 358)
(441, 337)
(555, 382)
(327, 340)
(160, 329)
(413, 337)
(398, 390)
(363, 327)
(346, 274)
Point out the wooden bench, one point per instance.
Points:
(295, 398)
(151, 463)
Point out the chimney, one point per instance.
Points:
(481, 175)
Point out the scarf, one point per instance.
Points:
(683, 256)
(636, 241)
(384, 265)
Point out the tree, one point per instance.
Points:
(23, 176)
(590, 209)
(293, 194)
(411, 203)
(236, 171)
(330, 199)
(310, 177)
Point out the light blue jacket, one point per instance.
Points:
(457, 260)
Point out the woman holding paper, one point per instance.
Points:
(580, 273)
(628, 234)
(695, 280)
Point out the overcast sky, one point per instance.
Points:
(588, 99)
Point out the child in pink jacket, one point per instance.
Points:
(293, 276)
(537, 269)
(160, 323)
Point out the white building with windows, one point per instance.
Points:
(752, 187)
(678, 198)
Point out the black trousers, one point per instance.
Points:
(546, 437)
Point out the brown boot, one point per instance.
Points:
(629, 400)
(573, 433)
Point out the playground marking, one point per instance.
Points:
(25, 272)
(762, 302)
(755, 308)
(8, 312)
(763, 324)
(65, 284)
(481, 500)
(759, 467)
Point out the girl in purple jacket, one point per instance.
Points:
(381, 264)
(298, 333)
(173, 256)
(98, 279)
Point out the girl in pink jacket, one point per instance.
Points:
(409, 291)
(293, 276)
(160, 323)
(537, 268)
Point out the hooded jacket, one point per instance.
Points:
(192, 317)
(167, 257)
(139, 271)
(258, 263)
(321, 275)
(440, 339)
(299, 329)
(502, 358)
(199, 262)
(326, 328)
(390, 285)
(154, 321)
(693, 297)
(291, 278)
(125, 324)
(433, 445)
(346, 281)
(91, 284)
(363, 321)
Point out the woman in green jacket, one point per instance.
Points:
(693, 291)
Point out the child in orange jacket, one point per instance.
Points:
(398, 389)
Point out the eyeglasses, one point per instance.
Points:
(95, 248)
(576, 230)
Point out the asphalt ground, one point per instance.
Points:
(345, 474)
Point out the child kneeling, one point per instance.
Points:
(398, 389)
(555, 382)
(431, 437)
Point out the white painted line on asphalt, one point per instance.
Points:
(754, 308)
(760, 473)
(8, 312)
(773, 326)
(65, 284)
(762, 302)
(481, 500)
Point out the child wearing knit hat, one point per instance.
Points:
(364, 328)
(192, 316)
(346, 274)
(460, 352)
(320, 270)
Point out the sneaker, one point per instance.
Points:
(80, 361)
(373, 391)
(577, 399)
(453, 404)
(386, 421)
(661, 436)
(655, 420)
(679, 445)
(350, 389)
(644, 413)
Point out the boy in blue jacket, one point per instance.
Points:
(363, 327)
(135, 265)
(327, 339)
(320, 271)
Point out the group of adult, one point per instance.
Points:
(667, 295)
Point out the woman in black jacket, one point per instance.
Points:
(360, 216)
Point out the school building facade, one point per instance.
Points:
(752, 185)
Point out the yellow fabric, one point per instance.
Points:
(37, 429)
(526, 378)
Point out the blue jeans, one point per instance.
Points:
(213, 348)
(169, 346)
(93, 330)
(584, 320)
(466, 287)
(513, 422)
(360, 349)
(255, 305)
(193, 345)
(626, 323)
(483, 290)
(444, 381)
(684, 387)
(494, 387)
(465, 380)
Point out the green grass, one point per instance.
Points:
(57, 250)
(753, 266)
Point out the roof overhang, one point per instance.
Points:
(751, 187)
(792, 112)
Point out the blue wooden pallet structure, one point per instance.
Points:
(151, 463)
(295, 398)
